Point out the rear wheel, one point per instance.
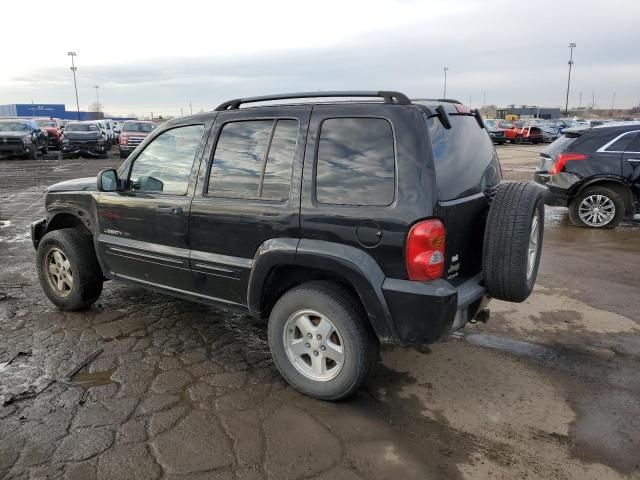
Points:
(320, 341)
(596, 207)
(68, 270)
(513, 241)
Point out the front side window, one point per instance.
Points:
(356, 162)
(254, 159)
(165, 164)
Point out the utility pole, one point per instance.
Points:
(190, 107)
(566, 106)
(613, 101)
(593, 100)
(97, 98)
(75, 85)
(444, 95)
(580, 102)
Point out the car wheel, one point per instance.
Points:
(68, 270)
(123, 155)
(513, 241)
(45, 149)
(320, 341)
(519, 140)
(501, 143)
(596, 207)
(33, 154)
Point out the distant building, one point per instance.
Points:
(530, 112)
(51, 110)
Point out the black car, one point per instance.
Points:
(23, 138)
(595, 172)
(342, 223)
(84, 139)
(496, 134)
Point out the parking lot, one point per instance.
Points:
(146, 386)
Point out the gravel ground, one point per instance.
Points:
(547, 389)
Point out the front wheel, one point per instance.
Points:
(596, 207)
(320, 341)
(68, 270)
(33, 154)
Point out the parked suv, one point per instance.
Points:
(342, 223)
(84, 139)
(53, 129)
(133, 134)
(22, 137)
(595, 172)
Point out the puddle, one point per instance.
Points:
(92, 379)
(515, 347)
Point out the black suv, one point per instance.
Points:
(595, 172)
(84, 139)
(342, 223)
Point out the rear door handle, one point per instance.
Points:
(169, 209)
(633, 160)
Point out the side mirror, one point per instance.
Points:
(108, 180)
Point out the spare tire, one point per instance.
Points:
(513, 241)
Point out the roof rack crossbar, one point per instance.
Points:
(442, 100)
(391, 97)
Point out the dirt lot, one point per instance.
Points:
(547, 389)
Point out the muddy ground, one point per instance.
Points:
(547, 389)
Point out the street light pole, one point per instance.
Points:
(75, 85)
(444, 95)
(613, 101)
(566, 106)
(97, 98)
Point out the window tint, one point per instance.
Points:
(356, 162)
(621, 144)
(465, 160)
(165, 164)
(634, 146)
(254, 159)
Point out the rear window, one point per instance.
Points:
(465, 159)
(559, 145)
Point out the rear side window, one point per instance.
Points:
(621, 144)
(634, 146)
(254, 159)
(356, 162)
(465, 160)
(560, 144)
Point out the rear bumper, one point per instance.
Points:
(553, 196)
(424, 312)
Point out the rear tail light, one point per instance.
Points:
(123, 139)
(562, 158)
(425, 250)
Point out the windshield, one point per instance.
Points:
(490, 123)
(81, 127)
(46, 123)
(13, 127)
(138, 127)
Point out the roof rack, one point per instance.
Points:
(442, 100)
(396, 98)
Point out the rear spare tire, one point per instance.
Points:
(513, 241)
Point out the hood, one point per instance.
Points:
(83, 135)
(88, 184)
(14, 134)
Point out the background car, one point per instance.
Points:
(497, 134)
(132, 134)
(594, 172)
(53, 128)
(84, 139)
(519, 132)
(22, 137)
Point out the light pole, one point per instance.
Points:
(75, 85)
(566, 106)
(444, 95)
(613, 101)
(97, 98)
(484, 103)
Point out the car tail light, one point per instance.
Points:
(425, 250)
(562, 158)
(123, 139)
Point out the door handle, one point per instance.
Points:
(633, 160)
(169, 209)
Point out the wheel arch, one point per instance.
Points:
(618, 186)
(79, 220)
(280, 265)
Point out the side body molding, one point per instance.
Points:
(352, 264)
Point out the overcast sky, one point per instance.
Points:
(156, 56)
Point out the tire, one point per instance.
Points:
(501, 143)
(33, 155)
(45, 149)
(610, 200)
(322, 301)
(513, 241)
(123, 155)
(82, 266)
(518, 140)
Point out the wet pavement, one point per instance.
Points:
(144, 386)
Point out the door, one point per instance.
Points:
(248, 192)
(631, 164)
(144, 228)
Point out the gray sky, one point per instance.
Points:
(157, 56)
